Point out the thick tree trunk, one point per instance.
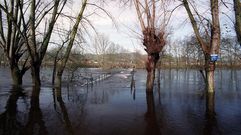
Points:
(35, 71)
(58, 82)
(210, 81)
(17, 73)
(215, 43)
(237, 10)
(150, 67)
(210, 104)
(17, 76)
(210, 68)
(150, 79)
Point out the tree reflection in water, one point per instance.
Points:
(159, 84)
(9, 124)
(35, 123)
(150, 116)
(64, 115)
(176, 106)
(211, 125)
(133, 84)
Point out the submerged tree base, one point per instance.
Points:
(150, 67)
(210, 77)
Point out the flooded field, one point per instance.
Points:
(119, 105)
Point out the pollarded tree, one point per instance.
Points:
(151, 15)
(211, 43)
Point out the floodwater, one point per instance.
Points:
(119, 105)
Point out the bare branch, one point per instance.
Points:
(106, 12)
(136, 3)
(195, 27)
(172, 11)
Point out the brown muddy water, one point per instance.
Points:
(119, 105)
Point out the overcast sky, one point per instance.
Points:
(126, 32)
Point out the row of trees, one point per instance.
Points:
(187, 53)
(184, 53)
(206, 28)
(26, 28)
(102, 53)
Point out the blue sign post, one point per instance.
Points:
(214, 57)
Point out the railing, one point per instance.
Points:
(80, 78)
(88, 78)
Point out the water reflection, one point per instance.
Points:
(211, 124)
(35, 123)
(9, 123)
(178, 106)
(64, 113)
(152, 127)
(98, 96)
(159, 84)
(133, 84)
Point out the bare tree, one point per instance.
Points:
(37, 49)
(192, 51)
(62, 63)
(152, 18)
(23, 22)
(101, 45)
(11, 39)
(230, 51)
(210, 45)
(113, 55)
